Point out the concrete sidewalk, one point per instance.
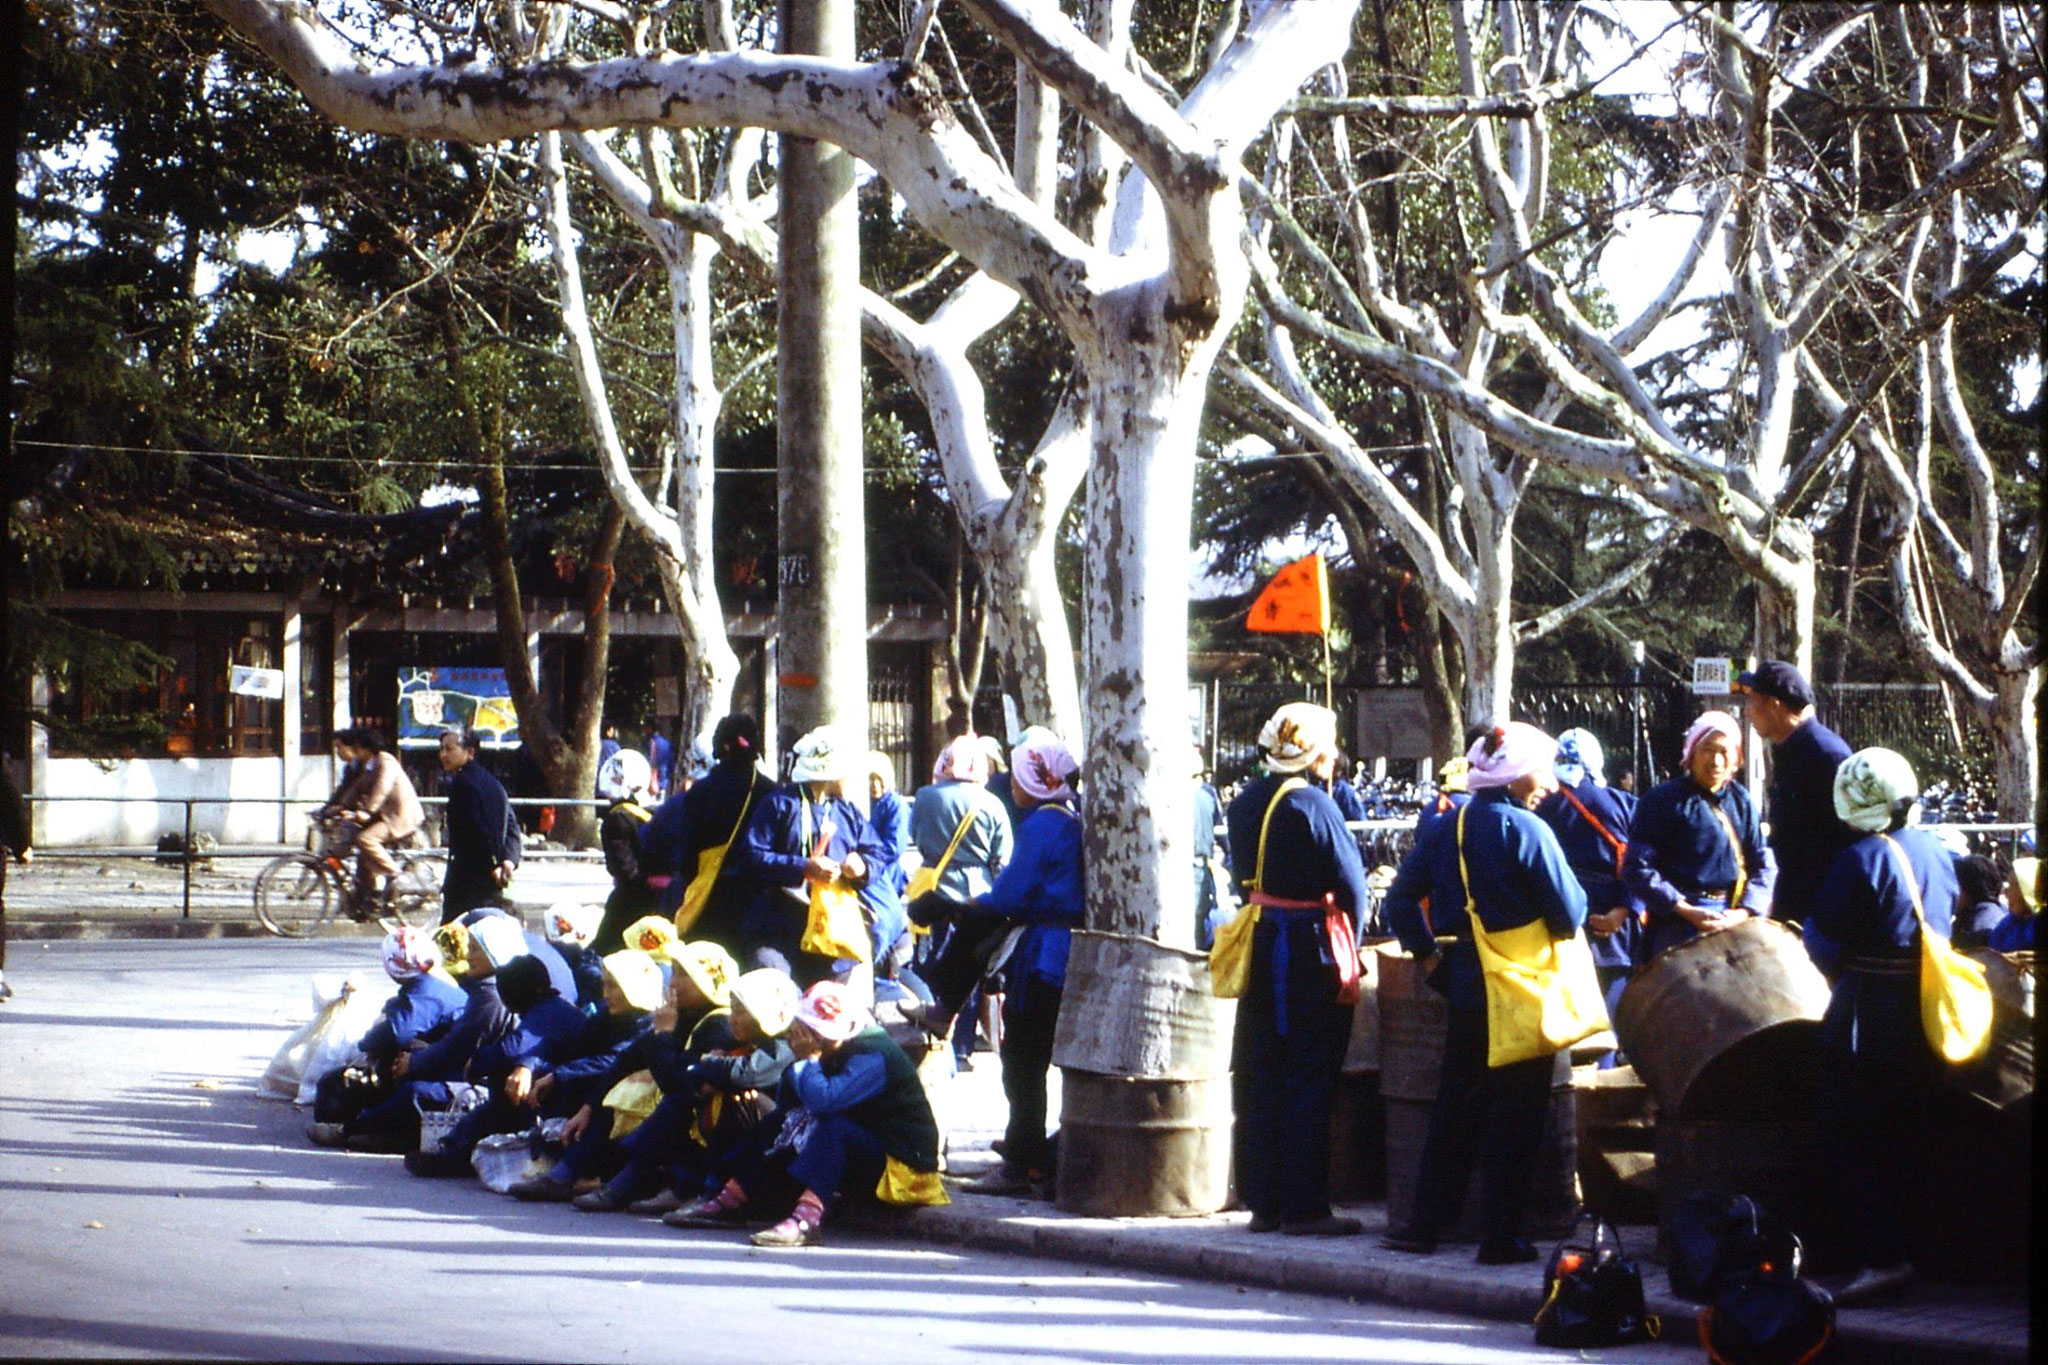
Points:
(1934, 1324)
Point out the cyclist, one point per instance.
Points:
(385, 810)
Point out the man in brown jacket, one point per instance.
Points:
(382, 799)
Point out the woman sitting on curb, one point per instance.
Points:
(850, 1106)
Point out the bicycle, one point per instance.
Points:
(297, 894)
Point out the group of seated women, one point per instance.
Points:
(687, 1088)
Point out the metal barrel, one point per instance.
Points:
(1726, 1022)
(1413, 1020)
(1143, 1148)
(1358, 1116)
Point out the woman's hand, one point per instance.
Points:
(577, 1122)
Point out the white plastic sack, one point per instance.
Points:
(502, 1160)
(342, 1013)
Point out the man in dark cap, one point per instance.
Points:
(1806, 834)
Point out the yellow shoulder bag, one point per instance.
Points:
(1230, 956)
(835, 926)
(1955, 997)
(709, 862)
(905, 1188)
(1542, 993)
(925, 880)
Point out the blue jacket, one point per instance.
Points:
(1596, 862)
(484, 1020)
(1348, 800)
(586, 967)
(1519, 875)
(2013, 934)
(705, 816)
(777, 843)
(1443, 804)
(596, 1049)
(423, 1009)
(1042, 887)
(1677, 849)
(1309, 854)
(883, 895)
(543, 1036)
(480, 835)
(1806, 834)
(1862, 917)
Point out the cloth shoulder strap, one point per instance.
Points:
(1735, 847)
(1258, 882)
(708, 1016)
(634, 810)
(1464, 873)
(1912, 879)
(1619, 846)
(966, 822)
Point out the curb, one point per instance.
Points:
(1218, 1248)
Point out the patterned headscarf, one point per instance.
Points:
(1874, 790)
(963, 760)
(409, 954)
(831, 1011)
(1043, 766)
(1518, 749)
(823, 755)
(652, 935)
(1711, 723)
(709, 966)
(1579, 756)
(1455, 773)
(573, 923)
(453, 941)
(626, 773)
(1297, 734)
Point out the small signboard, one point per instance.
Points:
(245, 681)
(433, 700)
(1713, 677)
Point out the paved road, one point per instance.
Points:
(143, 1211)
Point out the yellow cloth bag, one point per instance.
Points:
(1542, 993)
(1230, 956)
(836, 927)
(906, 1188)
(1955, 996)
(710, 862)
(925, 880)
(631, 1101)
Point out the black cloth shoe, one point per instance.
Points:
(437, 1165)
(544, 1189)
(1329, 1225)
(1261, 1223)
(1410, 1239)
(1505, 1251)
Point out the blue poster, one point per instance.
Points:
(431, 700)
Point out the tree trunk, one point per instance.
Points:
(2016, 757)
(1028, 630)
(1785, 591)
(822, 608)
(1140, 499)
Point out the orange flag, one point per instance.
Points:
(1296, 602)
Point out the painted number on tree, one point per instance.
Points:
(794, 569)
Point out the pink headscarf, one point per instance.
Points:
(963, 760)
(1710, 722)
(830, 1010)
(1043, 766)
(1518, 750)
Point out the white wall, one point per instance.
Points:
(251, 784)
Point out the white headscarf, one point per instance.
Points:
(963, 760)
(1711, 723)
(1579, 756)
(823, 755)
(626, 773)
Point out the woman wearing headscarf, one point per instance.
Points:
(624, 781)
(804, 833)
(848, 1105)
(1893, 883)
(1593, 824)
(425, 1006)
(1294, 858)
(2015, 933)
(882, 897)
(1518, 874)
(702, 824)
(1697, 860)
(569, 929)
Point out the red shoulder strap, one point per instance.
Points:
(1620, 848)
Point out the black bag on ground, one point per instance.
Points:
(1592, 1294)
(1770, 1316)
(1717, 1238)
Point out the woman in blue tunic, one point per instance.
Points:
(705, 821)
(1518, 875)
(1294, 857)
(1877, 1067)
(1592, 822)
(1697, 860)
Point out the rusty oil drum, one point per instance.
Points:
(1413, 1022)
(1727, 1026)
